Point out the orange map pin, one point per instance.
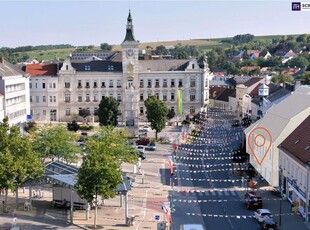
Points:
(259, 142)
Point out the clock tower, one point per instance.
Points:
(130, 81)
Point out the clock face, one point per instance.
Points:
(130, 52)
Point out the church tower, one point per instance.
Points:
(130, 103)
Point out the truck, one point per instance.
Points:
(62, 198)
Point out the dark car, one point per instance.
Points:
(253, 200)
(235, 123)
(269, 224)
(142, 156)
(151, 146)
(143, 141)
(239, 156)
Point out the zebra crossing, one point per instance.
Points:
(207, 193)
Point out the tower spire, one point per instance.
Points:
(129, 30)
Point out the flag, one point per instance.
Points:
(180, 102)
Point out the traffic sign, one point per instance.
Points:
(157, 217)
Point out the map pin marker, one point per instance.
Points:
(259, 142)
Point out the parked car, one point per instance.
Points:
(262, 214)
(269, 224)
(142, 156)
(143, 141)
(235, 123)
(151, 146)
(146, 128)
(140, 148)
(253, 200)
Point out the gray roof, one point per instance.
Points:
(162, 65)
(278, 94)
(98, 66)
(7, 69)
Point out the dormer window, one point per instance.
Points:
(110, 67)
(87, 68)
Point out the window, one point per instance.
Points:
(37, 99)
(141, 84)
(30, 98)
(193, 66)
(67, 84)
(80, 97)
(172, 109)
(119, 97)
(141, 97)
(157, 95)
(172, 96)
(95, 84)
(79, 83)
(141, 110)
(87, 97)
(193, 83)
(87, 68)
(165, 97)
(44, 99)
(110, 67)
(54, 85)
(43, 85)
(111, 84)
(51, 98)
(118, 84)
(130, 83)
(165, 83)
(172, 83)
(157, 83)
(54, 98)
(149, 83)
(192, 110)
(192, 97)
(95, 97)
(30, 85)
(67, 97)
(180, 83)
(87, 84)
(44, 112)
(51, 85)
(68, 112)
(67, 67)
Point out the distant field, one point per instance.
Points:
(202, 44)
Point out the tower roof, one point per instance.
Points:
(129, 30)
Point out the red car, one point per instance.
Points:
(143, 141)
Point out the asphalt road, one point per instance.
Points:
(206, 193)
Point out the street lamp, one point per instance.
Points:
(96, 203)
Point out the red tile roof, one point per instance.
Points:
(39, 69)
(272, 88)
(215, 91)
(297, 144)
(252, 81)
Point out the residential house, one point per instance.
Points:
(294, 166)
(214, 92)
(253, 54)
(280, 120)
(222, 100)
(265, 54)
(14, 91)
(223, 81)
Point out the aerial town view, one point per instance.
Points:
(162, 115)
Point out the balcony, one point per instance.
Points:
(87, 100)
(180, 86)
(156, 86)
(119, 86)
(87, 87)
(111, 86)
(165, 86)
(67, 101)
(103, 86)
(95, 100)
(79, 87)
(149, 86)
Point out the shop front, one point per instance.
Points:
(296, 196)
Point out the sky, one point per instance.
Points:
(42, 22)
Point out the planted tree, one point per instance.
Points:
(100, 172)
(108, 111)
(18, 161)
(56, 141)
(156, 114)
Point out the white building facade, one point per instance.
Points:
(14, 91)
(81, 85)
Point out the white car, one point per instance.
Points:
(146, 128)
(262, 214)
(141, 148)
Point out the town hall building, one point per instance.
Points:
(60, 90)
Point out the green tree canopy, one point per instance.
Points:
(156, 113)
(56, 141)
(305, 78)
(105, 47)
(101, 165)
(281, 79)
(18, 161)
(108, 111)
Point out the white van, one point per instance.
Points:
(192, 227)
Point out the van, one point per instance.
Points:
(192, 227)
